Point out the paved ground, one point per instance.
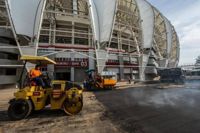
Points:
(150, 109)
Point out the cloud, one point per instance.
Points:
(188, 29)
(191, 35)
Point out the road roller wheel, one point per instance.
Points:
(19, 109)
(72, 107)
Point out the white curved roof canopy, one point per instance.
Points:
(26, 15)
(147, 23)
(102, 14)
(147, 17)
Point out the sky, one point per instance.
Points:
(185, 16)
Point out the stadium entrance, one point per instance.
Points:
(63, 76)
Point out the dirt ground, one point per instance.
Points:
(92, 118)
(141, 109)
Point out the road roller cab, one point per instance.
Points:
(33, 97)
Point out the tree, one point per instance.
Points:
(198, 60)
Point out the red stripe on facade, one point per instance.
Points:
(66, 47)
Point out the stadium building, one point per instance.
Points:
(128, 37)
(9, 64)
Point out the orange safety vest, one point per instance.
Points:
(35, 73)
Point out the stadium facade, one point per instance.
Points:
(9, 64)
(128, 37)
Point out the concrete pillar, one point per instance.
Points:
(73, 39)
(131, 69)
(91, 61)
(121, 68)
(72, 71)
(72, 55)
(143, 61)
(51, 68)
(72, 74)
(89, 38)
(141, 69)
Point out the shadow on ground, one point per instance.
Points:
(46, 113)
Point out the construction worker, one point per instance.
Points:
(35, 74)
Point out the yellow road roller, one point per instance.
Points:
(56, 94)
(107, 80)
